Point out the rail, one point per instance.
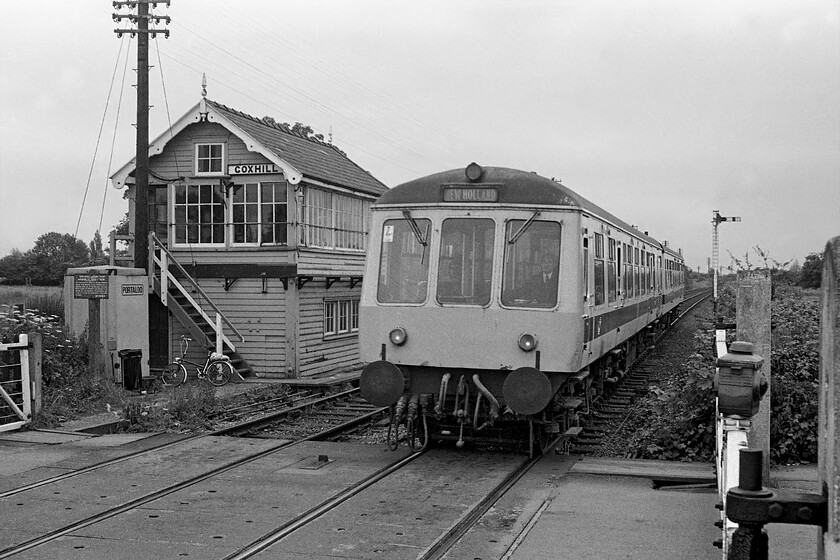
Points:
(163, 263)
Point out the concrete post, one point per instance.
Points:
(752, 317)
(94, 336)
(829, 426)
(35, 379)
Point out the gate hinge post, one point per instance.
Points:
(752, 506)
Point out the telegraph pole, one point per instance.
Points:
(141, 170)
(716, 220)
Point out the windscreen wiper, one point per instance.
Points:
(513, 238)
(415, 228)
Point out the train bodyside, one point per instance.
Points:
(456, 250)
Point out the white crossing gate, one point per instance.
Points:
(15, 387)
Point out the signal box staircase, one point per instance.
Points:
(168, 278)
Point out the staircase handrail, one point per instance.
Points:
(155, 243)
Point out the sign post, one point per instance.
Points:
(92, 287)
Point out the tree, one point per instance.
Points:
(306, 131)
(53, 254)
(14, 267)
(97, 254)
(122, 226)
(811, 276)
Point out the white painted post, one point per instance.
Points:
(732, 435)
(26, 388)
(219, 347)
(164, 277)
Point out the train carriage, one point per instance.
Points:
(498, 304)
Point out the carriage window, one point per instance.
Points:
(626, 250)
(599, 269)
(612, 272)
(585, 269)
(531, 264)
(465, 267)
(637, 286)
(404, 261)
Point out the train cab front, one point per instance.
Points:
(441, 398)
(470, 304)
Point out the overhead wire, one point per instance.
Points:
(166, 103)
(332, 73)
(99, 137)
(316, 102)
(353, 145)
(113, 141)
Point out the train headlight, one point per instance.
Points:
(473, 172)
(398, 336)
(527, 342)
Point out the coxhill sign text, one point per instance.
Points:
(252, 169)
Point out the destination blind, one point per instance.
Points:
(470, 194)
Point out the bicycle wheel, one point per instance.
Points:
(219, 372)
(174, 374)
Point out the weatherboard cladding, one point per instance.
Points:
(314, 159)
(318, 354)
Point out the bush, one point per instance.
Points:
(676, 420)
(186, 411)
(68, 386)
(795, 367)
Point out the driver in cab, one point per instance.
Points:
(542, 286)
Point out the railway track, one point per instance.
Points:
(271, 412)
(303, 417)
(325, 433)
(435, 550)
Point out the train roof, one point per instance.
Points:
(516, 187)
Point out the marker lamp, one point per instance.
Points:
(398, 336)
(527, 342)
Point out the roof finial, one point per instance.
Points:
(203, 85)
(330, 134)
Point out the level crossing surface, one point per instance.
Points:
(566, 507)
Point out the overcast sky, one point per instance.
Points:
(658, 111)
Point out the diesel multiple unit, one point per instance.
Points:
(498, 304)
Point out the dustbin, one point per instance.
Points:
(131, 368)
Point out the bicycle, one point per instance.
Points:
(217, 369)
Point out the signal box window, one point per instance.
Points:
(199, 214)
(465, 267)
(341, 317)
(531, 269)
(209, 158)
(259, 214)
(404, 261)
(334, 221)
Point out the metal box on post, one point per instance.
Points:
(122, 294)
(739, 383)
